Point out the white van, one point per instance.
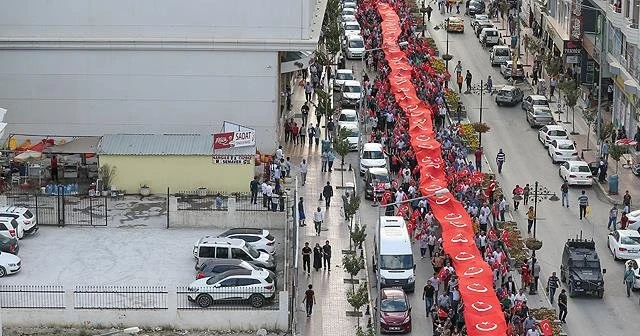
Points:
(353, 133)
(208, 247)
(372, 156)
(395, 264)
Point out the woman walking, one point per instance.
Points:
(317, 257)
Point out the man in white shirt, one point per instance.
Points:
(265, 199)
(502, 207)
(279, 154)
(318, 217)
(520, 297)
(303, 171)
(399, 196)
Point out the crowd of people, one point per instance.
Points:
(390, 127)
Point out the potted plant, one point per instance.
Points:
(145, 190)
(106, 173)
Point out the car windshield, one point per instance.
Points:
(356, 44)
(542, 112)
(351, 27)
(380, 177)
(253, 252)
(630, 240)
(352, 89)
(542, 102)
(501, 52)
(372, 155)
(566, 146)
(212, 280)
(455, 20)
(393, 305)
(396, 262)
(580, 169)
(560, 133)
(505, 93)
(353, 132)
(28, 214)
(347, 117)
(344, 76)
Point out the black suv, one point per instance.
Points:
(580, 268)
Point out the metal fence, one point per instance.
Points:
(120, 297)
(244, 202)
(26, 296)
(202, 201)
(63, 209)
(232, 299)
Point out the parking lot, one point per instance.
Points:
(128, 255)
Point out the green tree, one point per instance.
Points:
(341, 146)
(553, 64)
(571, 95)
(351, 208)
(358, 298)
(365, 332)
(605, 130)
(589, 116)
(352, 264)
(616, 152)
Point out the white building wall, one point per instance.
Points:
(93, 92)
(234, 19)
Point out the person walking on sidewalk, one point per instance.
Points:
(306, 258)
(500, 159)
(326, 254)
(317, 257)
(317, 133)
(564, 191)
(309, 300)
(562, 305)
(254, 186)
(303, 171)
(502, 206)
(324, 159)
(331, 157)
(626, 202)
(613, 218)
(424, 245)
(311, 131)
(301, 215)
(468, 79)
(628, 279)
(304, 110)
(429, 10)
(583, 201)
(552, 86)
(517, 196)
(427, 296)
(478, 156)
(302, 133)
(327, 192)
(525, 194)
(318, 217)
(308, 90)
(531, 215)
(552, 284)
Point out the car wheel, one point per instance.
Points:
(3, 272)
(571, 292)
(615, 255)
(256, 300)
(204, 300)
(560, 174)
(562, 278)
(600, 294)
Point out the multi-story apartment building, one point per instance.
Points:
(90, 67)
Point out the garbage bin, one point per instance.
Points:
(613, 184)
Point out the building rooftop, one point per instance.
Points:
(164, 144)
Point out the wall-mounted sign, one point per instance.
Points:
(572, 48)
(232, 159)
(234, 139)
(575, 26)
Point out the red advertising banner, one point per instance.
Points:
(223, 140)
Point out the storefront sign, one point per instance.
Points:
(232, 159)
(572, 48)
(234, 139)
(575, 26)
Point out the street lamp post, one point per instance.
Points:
(539, 193)
(438, 192)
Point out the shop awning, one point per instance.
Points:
(294, 60)
(83, 145)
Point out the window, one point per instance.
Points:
(566, 146)
(237, 253)
(248, 239)
(627, 5)
(229, 282)
(372, 155)
(356, 44)
(28, 214)
(247, 282)
(222, 252)
(630, 241)
(221, 268)
(394, 305)
(396, 262)
(207, 252)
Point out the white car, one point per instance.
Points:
(624, 244)
(341, 76)
(347, 18)
(260, 239)
(634, 220)
(348, 115)
(533, 101)
(635, 265)
(576, 173)
(239, 284)
(348, 11)
(499, 55)
(351, 93)
(478, 17)
(351, 28)
(489, 37)
(23, 216)
(548, 133)
(563, 150)
(353, 133)
(372, 156)
(11, 228)
(349, 4)
(9, 264)
(354, 47)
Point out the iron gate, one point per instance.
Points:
(63, 209)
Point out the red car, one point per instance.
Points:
(395, 315)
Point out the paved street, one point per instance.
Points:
(526, 162)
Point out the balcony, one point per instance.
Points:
(631, 32)
(614, 14)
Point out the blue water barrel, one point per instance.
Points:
(613, 184)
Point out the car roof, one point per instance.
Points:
(243, 231)
(629, 233)
(508, 88)
(344, 71)
(348, 124)
(351, 83)
(489, 29)
(634, 213)
(348, 111)
(372, 146)
(231, 242)
(378, 171)
(541, 107)
(393, 292)
(563, 141)
(352, 23)
(481, 16)
(12, 209)
(455, 18)
(221, 261)
(355, 37)
(555, 128)
(577, 163)
(538, 97)
(501, 47)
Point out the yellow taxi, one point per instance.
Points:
(455, 24)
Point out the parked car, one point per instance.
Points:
(481, 25)
(207, 248)
(549, 133)
(349, 4)
(455, 24)
(539, 116)
(509, 95)
(351, 93)
(499, 55)
(348, 11)
(635, 265)
(340, 77)
(348, 115)
(478, 17)
(351, 28)
(353, 133)
(9, 227)
(395, 312)
(372, 177)
(9, 264)
(255, 287)
(624, 244)
(9, 245)
(563, 150)
(489, 37)
(260, 239)
(475, 7)
(506, 70)
(534, 100)
(23, 215)
(634, 220)
(372, 156)
(354, 47)
(576, 173)
(218, 266)
(347, 18)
